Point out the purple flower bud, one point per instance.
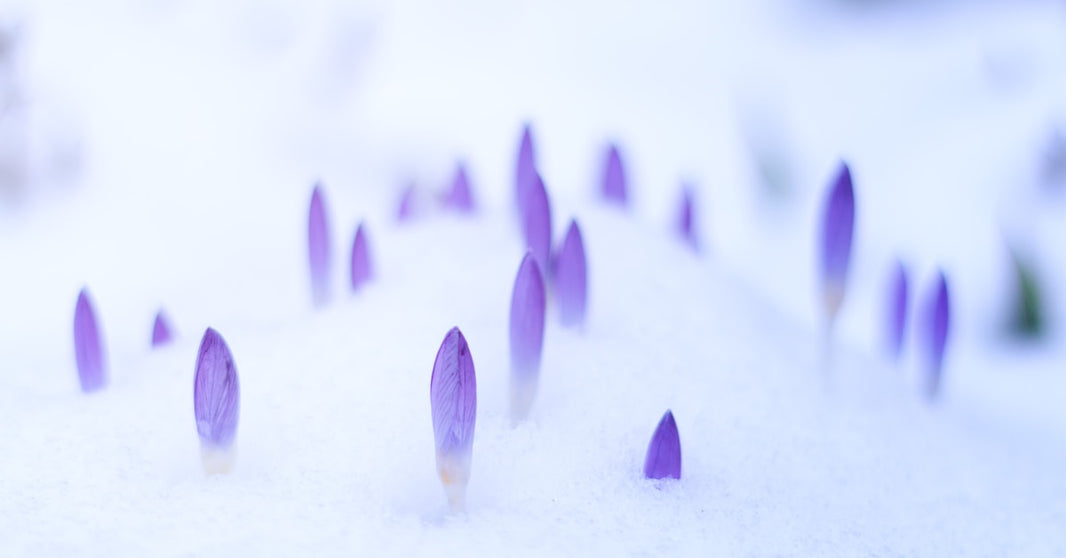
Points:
(525, 169)
(459, 197)
(216, 402)
(614, 177)
(407, 204)
(161, 332)
(938, 316)
(837, 224)
(664, 451)
(88, 346)
(527, 336)
(453, 404)
(361, 269)
(897, 310)
(571, 285)
(537, 223)
(685, 226)
(318, 247)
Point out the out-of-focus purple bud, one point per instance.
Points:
(361, 268)
(525, 170)
(527, 336)
(453, 404)
(939, 317)
(614, 177)
(161, 330)
(407, 204)
(571, 283)
(537, 223)
(318, 247)
(685, 226)
(459, 197)
(88, 345)
(837, 224)
(897, 310)
(216, 403)
(664, 451)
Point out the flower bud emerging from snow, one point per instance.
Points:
(614, 178)
(361, 268)
(537, 223)
(938, 316)
(896, 310)
(318, 247)
(837, 223)
(525, 169)
(216, 403)
(571, 285)
(88, 346)
(527, 336)
(459, 197)
(685, 226)
(664, 451)
(453, 404)
(161, 332)
(407, 204)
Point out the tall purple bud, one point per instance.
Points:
(162, 334)
(88, 345)
(318, 247)
(837, 224)
(537, 223)
(453, 404)
(459, 196)
(571, 283)
(938, 314)
(216, 403)
(897, 310)
(664, 451)
(685, 226)
(527, 336)
(614, 178)
(361, 268)
(525, 169)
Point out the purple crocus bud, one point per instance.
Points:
(459, 197)
(88, 346)
(453, 404)
(525, 169)
(361, 269)
(837, 224)
(571, 284)
(216, 402)
(318, 247)
(939, 317)
(664, 451)
(897, 310)
(537, 223)
(614, 177)
(407, 204)
(685, 226)
(527, 336)
(161, 331)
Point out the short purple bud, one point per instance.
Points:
(837, 224)
(407, 204)
(88, 345)
(571, 283)
(537, 223)
(897, 310)
(527, 336)
(362, 270)
(318, 247)
(938, 314)
(685, 226)
(453, 404)
(614, 178)
(216, 402)
(162, 334)
(664, 451)
(459, 196)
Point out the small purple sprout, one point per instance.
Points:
(453, 404)
(318, 247)
(361, 268)
(837, 224)
(664, 451)
(571, 284)
(527, 336)
(614, 177)
(897, 310)
(537, 223)
(525, 170)
(685, 226)
(407, 204)
(216, 402)
(939, 317)
(162, 334)
(459, 197)
(88, 346)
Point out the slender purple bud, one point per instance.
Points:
(685, 226)
(216, 402)
(453, 404)
(664, 451)
(161, 331)
(614, 177)
(939, 317)
(837, 224)
(571, 283)
(361, 268)
(88, 346)
(897, 310)
(537, 223)
(407, 204)
(525, 169)
(318, 247)
(527, 336)
(459, 197)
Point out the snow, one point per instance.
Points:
(173, 147)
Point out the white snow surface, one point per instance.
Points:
(199, 129)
